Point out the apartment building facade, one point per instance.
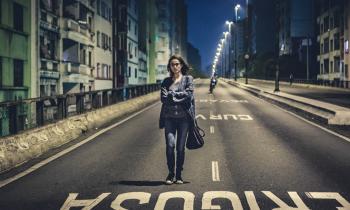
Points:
(120, 30)
(132, 42)
(147, 36)
(77, 31)
(163, 39)
(346, 44)
(333, 41)
(103, 72)
(49, 49)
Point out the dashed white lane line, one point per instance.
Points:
(211, 129)
(215, 171)
(52, 158)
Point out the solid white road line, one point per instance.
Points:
(215, 171)
(314, 124)
(60, 154)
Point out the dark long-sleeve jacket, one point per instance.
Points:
(183, 97)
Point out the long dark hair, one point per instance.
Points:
(185, 68)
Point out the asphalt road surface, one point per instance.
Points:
(256, 156)
(337, 97)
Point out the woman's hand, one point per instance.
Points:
(166, 93)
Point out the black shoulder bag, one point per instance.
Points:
(195, 137)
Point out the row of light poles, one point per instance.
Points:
(226, 70)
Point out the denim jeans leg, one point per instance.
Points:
(182, 131)
(170, 131)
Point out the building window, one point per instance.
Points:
(53, 90)
(18, 73)
(17, 17)
(322, 71)
(98, 70)
(331, 67)
(332, 44)
(336, 41)
(105, 71)
(326, 45)
(98, 39)
(109, 44)
(321, 49)
(129, 25)
(337, 64)
(135, 29)
(42, 90)
(346, 70)
(135, 52)
(90, 58)
(110, 72)
(119, 42)
(326, 66)
(129, 75)
(135, 73)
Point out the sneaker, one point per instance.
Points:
(169, 179)
(179, 180)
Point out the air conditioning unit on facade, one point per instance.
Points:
(69, 67)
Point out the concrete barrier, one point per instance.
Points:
(18, 149)
(325, 112)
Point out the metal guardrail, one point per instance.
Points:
(16, 116)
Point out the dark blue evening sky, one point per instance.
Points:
(206, 23)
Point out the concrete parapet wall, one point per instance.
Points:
(329, 113)
(18, 149)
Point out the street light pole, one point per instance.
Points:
(229, 23)
(246, 58)
(235, 34)
(277, 80)
(222, 57)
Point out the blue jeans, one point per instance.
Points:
(180, 127)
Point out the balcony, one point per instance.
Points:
(76, 32)
(49, 74)
(49, 26)
(77, 68)
(336, 53)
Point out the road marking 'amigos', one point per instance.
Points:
(207, 198)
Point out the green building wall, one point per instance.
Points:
(14, 45)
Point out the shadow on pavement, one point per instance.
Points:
(141, 183)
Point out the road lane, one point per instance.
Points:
(270, 151)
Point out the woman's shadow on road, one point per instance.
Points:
(141, 183)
